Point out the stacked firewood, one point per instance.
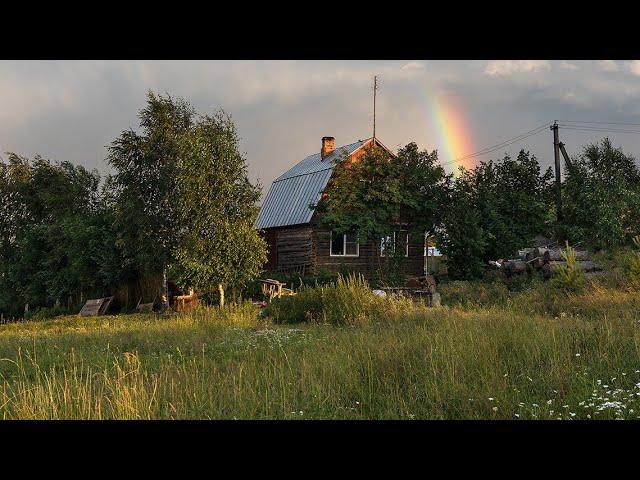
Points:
(547, 259)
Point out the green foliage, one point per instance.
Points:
(51, 234)
(493, 210)
(460, 236)
(179, 197)
(347, 301)
(602, 196)
(46, 313)
(569, 278)
(216, 209)
(473, 293)
(144, 185)
(630, 263)
(378, 191)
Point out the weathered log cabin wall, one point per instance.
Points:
(368, 260)
(289, 249)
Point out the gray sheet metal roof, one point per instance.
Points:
(288, 199)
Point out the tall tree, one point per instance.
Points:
(146, 168)
(377, 192)
(602, 196)
(513, 198)
(216, 207)
(460, 236)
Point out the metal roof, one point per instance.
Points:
(288, 199)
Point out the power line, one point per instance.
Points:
(596, 129)
(503, 144)
(600, 123)
(580, 126)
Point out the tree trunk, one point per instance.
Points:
(221, 292)
(165, 288)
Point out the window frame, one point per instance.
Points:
(406, 252)
(344, 246)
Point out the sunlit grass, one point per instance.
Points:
(533, 355)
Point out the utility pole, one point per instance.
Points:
(556, 155)
(375, 89)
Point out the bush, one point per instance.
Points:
(628, 261)
(570, 277)
(347, 301)
(46, 313)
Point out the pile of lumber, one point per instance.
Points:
(548, 259)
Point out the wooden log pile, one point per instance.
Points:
(547, 259)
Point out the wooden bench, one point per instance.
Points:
(274, 289)
(185, 303)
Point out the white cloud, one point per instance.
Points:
(634, 67)
(608, 65)
(411, 66)
(568, 66)
(510, 67)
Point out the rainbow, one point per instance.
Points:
(454, 139)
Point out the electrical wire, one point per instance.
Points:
(571, 125)
(503, 144)
(600, 123)
(595, 129)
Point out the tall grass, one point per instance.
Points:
(348, 301)
(533, 356)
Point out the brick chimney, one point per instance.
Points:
(328, 144)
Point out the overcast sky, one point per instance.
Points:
(70, 110)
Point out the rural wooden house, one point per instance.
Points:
(295, 241)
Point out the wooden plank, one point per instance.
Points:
(92, 307)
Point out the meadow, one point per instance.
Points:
(339, 352)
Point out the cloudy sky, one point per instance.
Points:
(70, 110)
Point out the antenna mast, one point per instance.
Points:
(375, 89)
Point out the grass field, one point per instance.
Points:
(537, 354)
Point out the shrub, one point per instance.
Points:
(46, 313)
(346, 301)
(569, 277)
(629, 262)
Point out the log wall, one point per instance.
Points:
(367, 261)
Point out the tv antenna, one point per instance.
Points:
(375, 89)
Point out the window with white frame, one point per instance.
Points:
(388, 243)
(344, 245)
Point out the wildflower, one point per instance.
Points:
(549, 402)
(577, 354)
(495, 409)
(535, 405)
(491, 399)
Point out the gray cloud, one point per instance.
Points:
(70, 110)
